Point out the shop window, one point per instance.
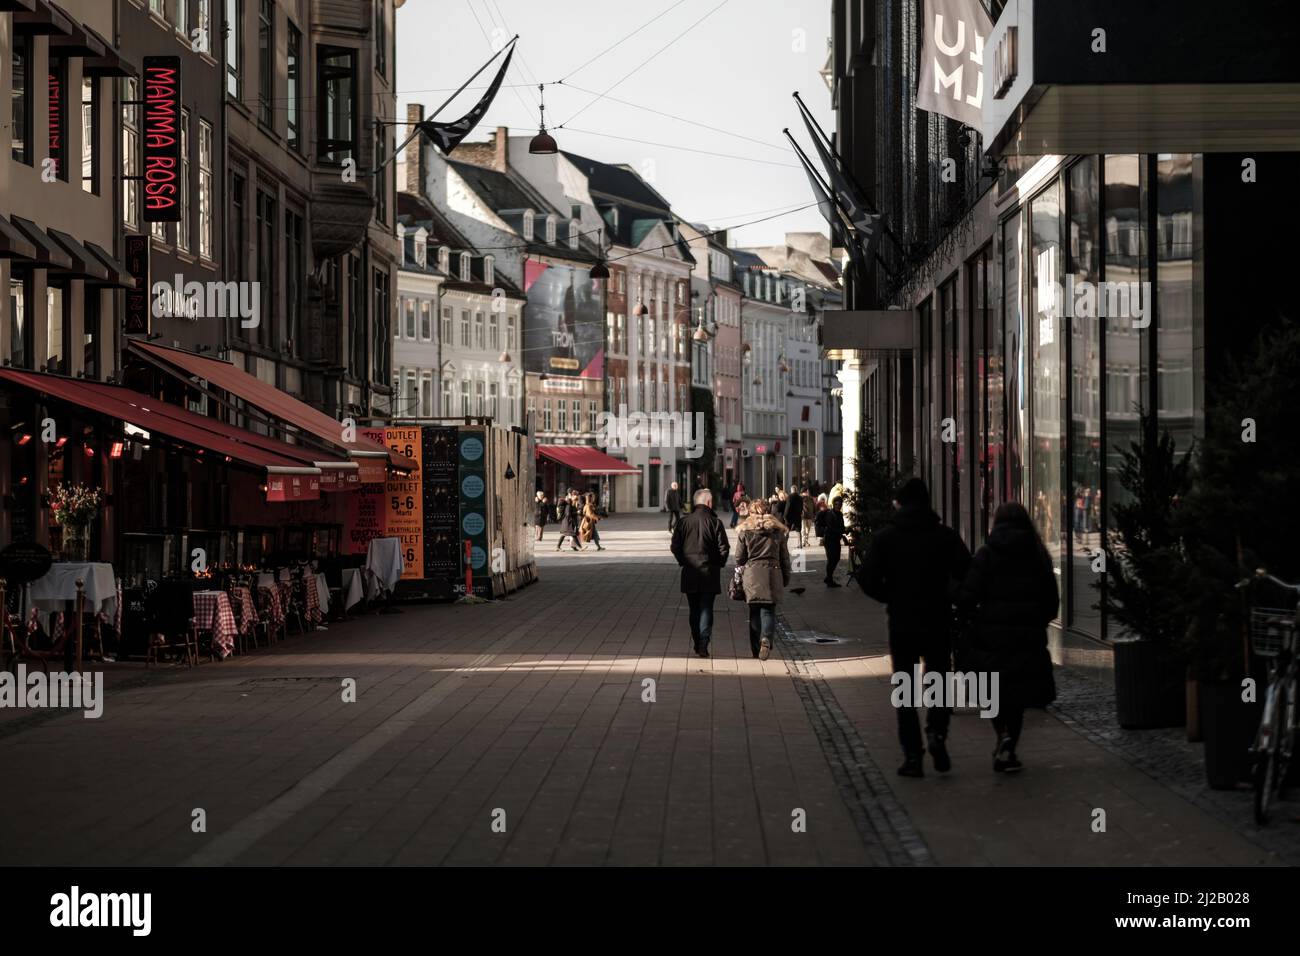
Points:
(20, 344)
(1046, 272)
(1083, 490)
(90, 135)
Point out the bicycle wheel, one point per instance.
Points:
(1286, 740)
(1266, 766)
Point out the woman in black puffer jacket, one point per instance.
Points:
(1010, 596)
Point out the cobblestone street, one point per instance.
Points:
(529, 713)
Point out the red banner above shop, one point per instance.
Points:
(292, 488)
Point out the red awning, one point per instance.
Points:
(587, 460)
(270, 400)
(154, 416)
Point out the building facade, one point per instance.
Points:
(1071, 274)
(648, 345)
(764, 327)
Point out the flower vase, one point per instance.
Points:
(76, 542)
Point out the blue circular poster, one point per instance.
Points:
(472, 486)
(473, 523)
(471, 449)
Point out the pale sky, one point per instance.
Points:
(734, 71)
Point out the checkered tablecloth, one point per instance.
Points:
(274, 606)
(285, 589)
(212, 612)
(241, 600)
(312, 607)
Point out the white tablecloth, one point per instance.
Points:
(353, 587)
(384, 561)
(57, 589)
(322, 593)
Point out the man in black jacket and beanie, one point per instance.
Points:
(914, 566)
(701, 548)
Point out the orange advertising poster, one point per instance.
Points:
(404, 502)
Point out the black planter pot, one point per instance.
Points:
(1150, 686)
(1227, 726)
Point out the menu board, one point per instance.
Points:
(472, 485)
(441, 503)
(404, 502)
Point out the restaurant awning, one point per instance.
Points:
(156, 417)
(84, 265)
(80, 42)
(271, 400)
(42, 19)
(117, 272)
(586, 460)
(48, 255)
(13, 244)
(110, 63)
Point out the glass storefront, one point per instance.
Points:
(1047, 439)
(1083, 501)
(1041, 352)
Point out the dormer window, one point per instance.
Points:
(550, 229)
(401, 241)
(573, 234)
(528, 225)
(464, 267)
(489, 270)
(422, 246)
(444, 259)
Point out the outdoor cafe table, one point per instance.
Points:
(56, 590)
(245, 612)
(212, 612)
(322, 595)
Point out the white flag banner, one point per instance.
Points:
(952, 59)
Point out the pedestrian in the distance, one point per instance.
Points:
(737, 499)
(809, 516)
(587, 529)
(1010, 596)
(568, 514)
(541, 507)
(673, 502)
(793, 513)
(830, 529)
(762, 551)
(701, 548)
(914, 566)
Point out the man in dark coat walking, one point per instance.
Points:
(793, 516)
(673, 502)
(914, 566)
(701, 548)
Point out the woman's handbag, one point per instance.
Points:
(736, 586)
(968, 655)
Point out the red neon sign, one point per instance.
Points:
(162, 138)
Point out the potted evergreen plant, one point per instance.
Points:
(1141, 567)
(1242, 512)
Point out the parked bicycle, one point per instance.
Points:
(1273, 637)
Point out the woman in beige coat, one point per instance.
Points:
(764, 558)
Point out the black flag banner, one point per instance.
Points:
(447, 136)
(841, 237)
(866, 224)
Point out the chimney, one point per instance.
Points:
(414, 152)
(500, 160)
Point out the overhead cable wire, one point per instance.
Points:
(644, 62)
(620, 42)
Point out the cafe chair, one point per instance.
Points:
(265, 620)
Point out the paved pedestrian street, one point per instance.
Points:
(571, 724)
